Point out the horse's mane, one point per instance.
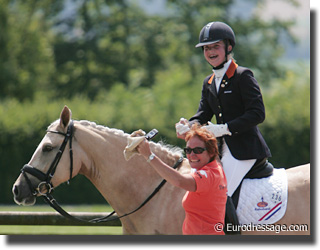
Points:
(103, 128)
(161, 145)
(175, 150)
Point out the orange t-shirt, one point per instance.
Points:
(205, 208)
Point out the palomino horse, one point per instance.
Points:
(98, 154)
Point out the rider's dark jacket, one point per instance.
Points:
(239, 104)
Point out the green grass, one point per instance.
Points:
(59, 230)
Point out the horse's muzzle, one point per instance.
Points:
(22, 194)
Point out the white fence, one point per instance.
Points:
(54, 218)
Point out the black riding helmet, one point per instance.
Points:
(214, 32)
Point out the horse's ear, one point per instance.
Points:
(65, 117)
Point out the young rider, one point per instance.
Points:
(233, 96)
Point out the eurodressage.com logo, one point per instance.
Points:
(277, 228)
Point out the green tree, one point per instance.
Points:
(25, 52)
(287, 125)
(82, 47)
(257, 41)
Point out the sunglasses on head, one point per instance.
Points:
(196, 150)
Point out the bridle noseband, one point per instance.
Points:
(45, 178)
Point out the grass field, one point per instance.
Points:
(59, 230)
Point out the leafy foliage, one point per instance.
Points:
(287, 125)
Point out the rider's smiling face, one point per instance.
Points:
(215, 53)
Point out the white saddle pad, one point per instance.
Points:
(263, 201)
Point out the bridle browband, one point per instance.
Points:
(45, 180)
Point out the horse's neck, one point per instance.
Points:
(124, 184)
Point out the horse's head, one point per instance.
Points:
(51, 163)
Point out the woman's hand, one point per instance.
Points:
(144, 149)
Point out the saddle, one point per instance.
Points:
(261, 169)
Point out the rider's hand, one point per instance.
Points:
(182, 127)
(218, 129)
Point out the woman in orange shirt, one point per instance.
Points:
(206, 184)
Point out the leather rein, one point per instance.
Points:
(46, 184)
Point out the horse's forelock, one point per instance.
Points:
(56, 122)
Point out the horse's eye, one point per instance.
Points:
(47, 148)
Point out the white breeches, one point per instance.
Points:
(234, 169)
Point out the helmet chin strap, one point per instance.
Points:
(219, 66)
(226, 57)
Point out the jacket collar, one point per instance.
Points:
(230, 71)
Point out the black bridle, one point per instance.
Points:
(45, 180)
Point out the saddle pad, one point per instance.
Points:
(263, 201)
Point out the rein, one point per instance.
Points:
(45, 180)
